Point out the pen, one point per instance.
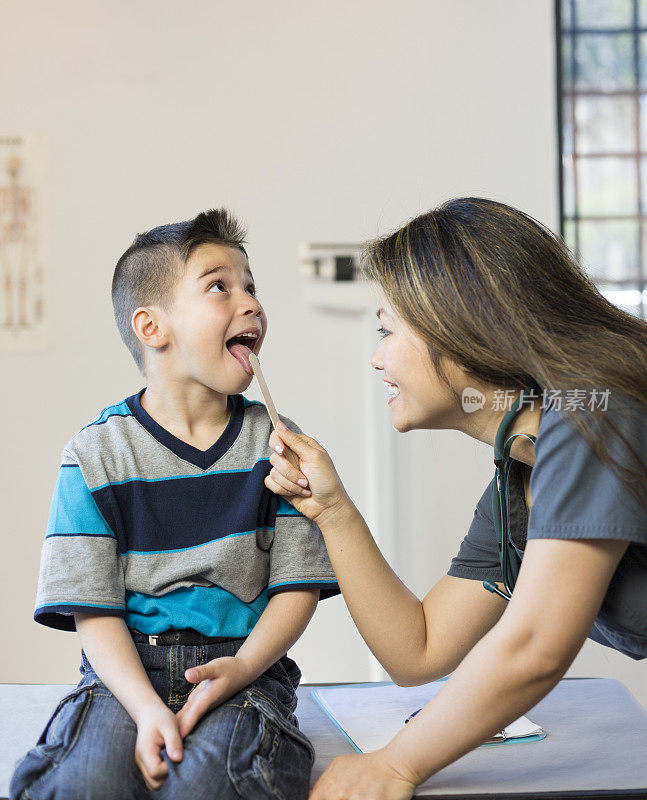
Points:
(411, 716)
(503, 733)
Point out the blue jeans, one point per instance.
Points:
(248, 747)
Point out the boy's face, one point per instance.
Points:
(214, 302)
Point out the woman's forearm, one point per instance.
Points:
(114, 657)
(389, 616)
(519, 660)
(497, 682)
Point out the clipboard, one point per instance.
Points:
(368, 715)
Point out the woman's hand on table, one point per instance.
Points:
(324, 493)
(366, 776)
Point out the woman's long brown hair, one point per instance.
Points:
(495, 291)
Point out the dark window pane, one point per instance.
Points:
(604, 61)
(642, 64)
(567, 17)
(567, 63)
(609, 249)
(605, 124)
(604, 13)
(606, 186)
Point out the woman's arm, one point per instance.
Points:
(557, 596)
(559, 591)
(415, 642)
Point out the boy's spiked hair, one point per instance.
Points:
(147, 272)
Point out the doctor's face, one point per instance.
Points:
(416, 395)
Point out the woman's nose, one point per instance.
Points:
(376, 362)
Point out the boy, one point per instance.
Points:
(186, 579)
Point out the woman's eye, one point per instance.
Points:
(252, 290)
(217, 283)
(383, 332)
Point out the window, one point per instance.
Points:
(602, 118)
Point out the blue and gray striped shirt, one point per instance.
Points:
(147, 527)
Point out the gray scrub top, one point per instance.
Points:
(574, 495)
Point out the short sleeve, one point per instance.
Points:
(298, 556)
(575, 495)
(80, 567)
(478, 555)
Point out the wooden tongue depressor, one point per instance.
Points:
(271, 408)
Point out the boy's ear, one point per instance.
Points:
(147, 328)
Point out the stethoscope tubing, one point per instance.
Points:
(508, 556)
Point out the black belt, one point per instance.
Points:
(187, 636)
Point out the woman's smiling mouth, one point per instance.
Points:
(392, 389)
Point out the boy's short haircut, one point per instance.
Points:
(147, 272)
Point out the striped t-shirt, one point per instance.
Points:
(147, 527)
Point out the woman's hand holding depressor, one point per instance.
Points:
(325, 492)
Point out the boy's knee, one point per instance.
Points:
(84, 752)
(70, 781)
(201, 785)
(98, 784)
(33, 775)
(268, 756)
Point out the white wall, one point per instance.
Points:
(313, 122)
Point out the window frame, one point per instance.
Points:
(613, 288)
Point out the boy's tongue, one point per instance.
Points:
(241, 353)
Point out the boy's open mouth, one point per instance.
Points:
(241, 346)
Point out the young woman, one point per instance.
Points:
(481, 301)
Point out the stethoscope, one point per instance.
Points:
(508, 556)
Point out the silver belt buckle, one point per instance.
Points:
(152, 639)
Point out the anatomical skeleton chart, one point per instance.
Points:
(23, 285)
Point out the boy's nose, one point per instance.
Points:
(251, 306)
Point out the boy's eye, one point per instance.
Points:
(221, 286)
(383, 332)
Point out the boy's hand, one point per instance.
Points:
(216, 682)
(157, 727)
